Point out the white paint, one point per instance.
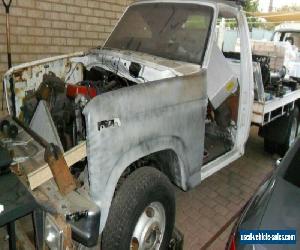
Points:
(1, 208)
(246, 97)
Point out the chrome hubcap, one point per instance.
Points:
(149, 230)
(293, 133)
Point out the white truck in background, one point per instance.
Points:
(277, 93)
(276, 72)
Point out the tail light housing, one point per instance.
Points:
(231, 243)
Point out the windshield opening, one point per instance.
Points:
(174, 31)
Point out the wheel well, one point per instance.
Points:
(165, 161)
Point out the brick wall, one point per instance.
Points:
(43, 28)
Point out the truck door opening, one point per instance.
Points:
(223, 94)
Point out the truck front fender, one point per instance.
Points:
(129, 123)
(104, 197)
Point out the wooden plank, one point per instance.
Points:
(60, 170)
(43, 174)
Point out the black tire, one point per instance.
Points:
(293, 118)
(269, 146)
(277, 133)
(143, 187)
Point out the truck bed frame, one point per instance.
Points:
(267, 111)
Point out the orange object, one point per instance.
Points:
(74, 90)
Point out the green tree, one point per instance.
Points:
(249, 6)
(252, 6)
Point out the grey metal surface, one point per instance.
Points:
(153, 117)
(43, 124)
(150, 228)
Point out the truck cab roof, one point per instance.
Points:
(288, 27)
(232, 3)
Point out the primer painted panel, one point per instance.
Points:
(152, 117)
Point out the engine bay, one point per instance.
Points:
(65, 100)
(65, 84)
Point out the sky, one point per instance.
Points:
(264, 4)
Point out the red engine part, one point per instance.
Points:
(74, 90)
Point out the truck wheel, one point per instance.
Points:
(269, 146)
(142, 213)
(292, 128)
